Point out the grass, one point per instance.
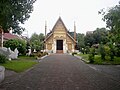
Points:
(23, 63)
(26, 58)
(84, 56)
(98, 60)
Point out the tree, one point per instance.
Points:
(100, 35)
(13, 13)
(80, 41)
(112, 19)
(89, 39)
(96, 37)
(37, 41)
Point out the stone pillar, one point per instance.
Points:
(66, 48)
(54, 45)
(63, 46)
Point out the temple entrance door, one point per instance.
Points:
(59, 48)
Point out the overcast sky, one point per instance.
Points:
(83, 12)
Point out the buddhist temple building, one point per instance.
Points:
(58, 40)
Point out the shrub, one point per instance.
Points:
(92, 51)
(91, 55)
(107, 50)
(87, 50)
(33, 54)
(112, 51)
(12, 43)
(2, 58)
(102, 51)
(16, 43)
(39, 54)
(45, 53)
(83, 50)
(22, 46)
(117, 51)
(74, 53)
(91, 58)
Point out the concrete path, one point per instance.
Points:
(64, 72)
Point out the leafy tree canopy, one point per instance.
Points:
(13, 13)
(100, 35)
(97, 36)
(37, 41)
(89, 39)
(112, 19)
(80, 40)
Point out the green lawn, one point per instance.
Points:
(84, 56)
(98, 60)
(23, 63)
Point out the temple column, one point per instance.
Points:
(64, 46)
(46, 48)
(72, 47)
(54, 46)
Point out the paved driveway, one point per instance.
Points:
(65, 72)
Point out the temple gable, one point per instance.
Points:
(59, 40)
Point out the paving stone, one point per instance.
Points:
(62, 72)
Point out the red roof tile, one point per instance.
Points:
(10, 36)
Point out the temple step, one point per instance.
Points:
(59, 51)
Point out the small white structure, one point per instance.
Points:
(16, 53)
(34, 51)
(29, 52)
(4, 51)
(13, 54)
(9, 53)
(2, 75)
